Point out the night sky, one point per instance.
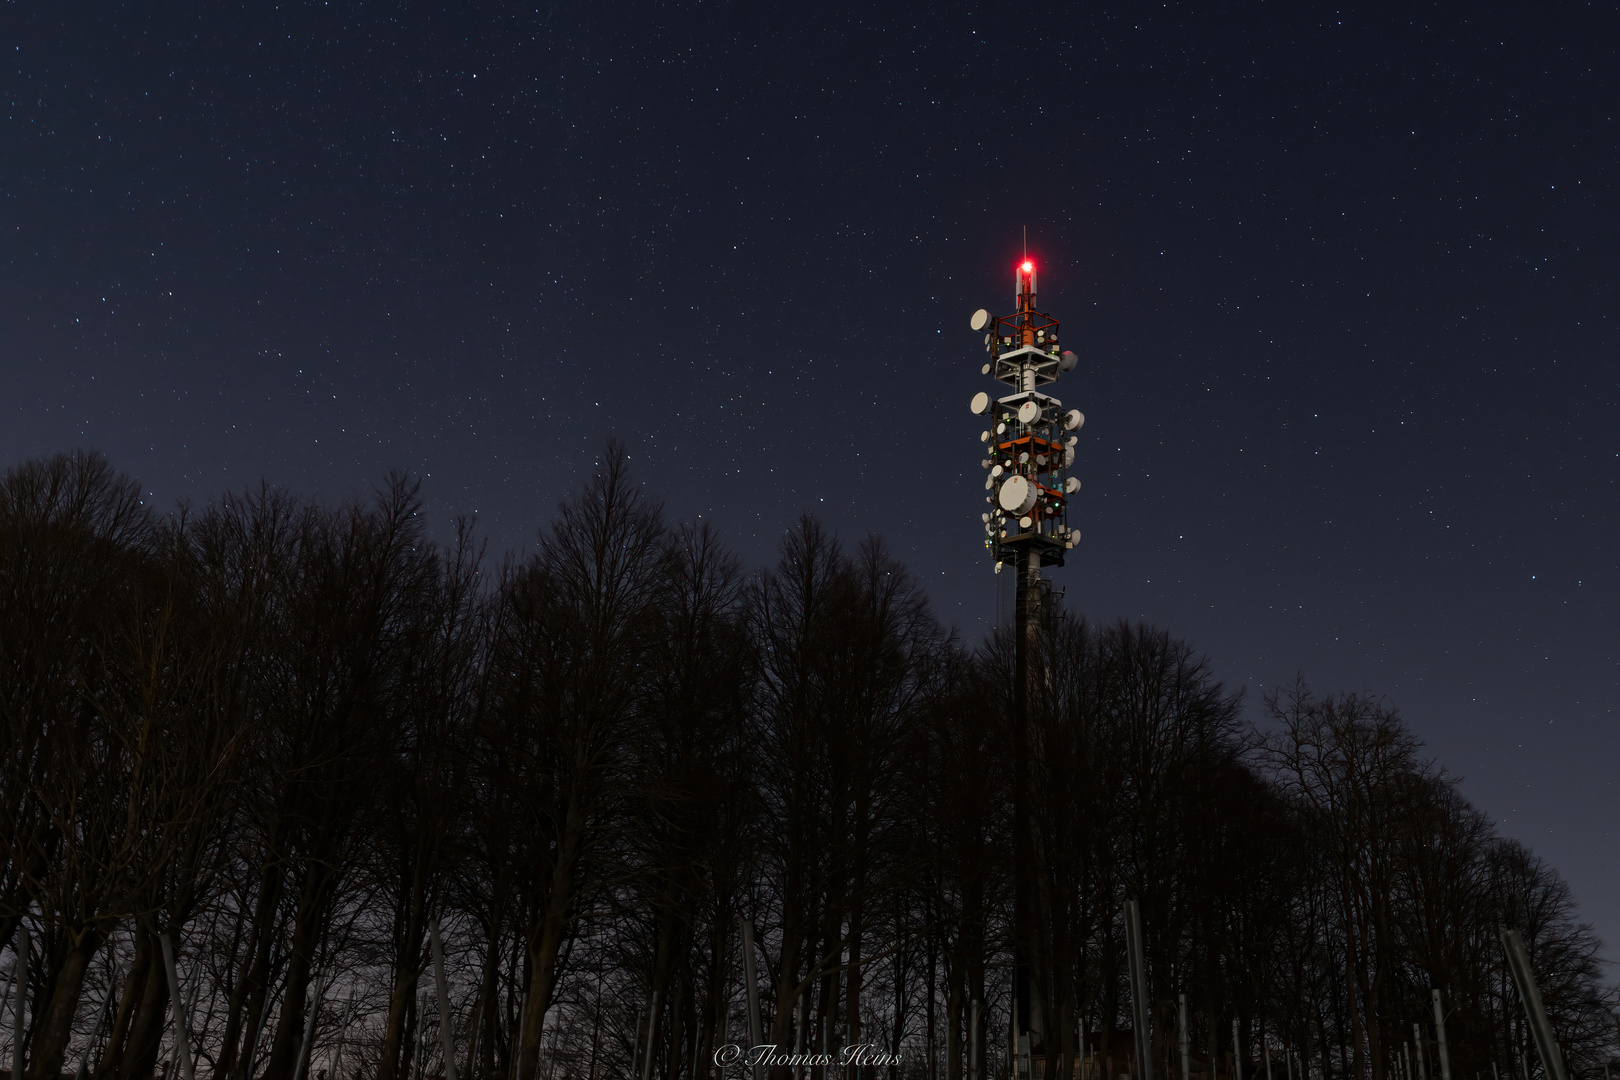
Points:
(1343, 284)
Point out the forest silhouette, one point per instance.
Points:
(294, 743)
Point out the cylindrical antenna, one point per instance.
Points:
(1139, 990)
(177, 1006)
(1440, 1037)
(1524, 978)
(447, 1037)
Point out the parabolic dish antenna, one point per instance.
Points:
(980, 319)
(1028, 411)
(981, 402)
(1017, 495)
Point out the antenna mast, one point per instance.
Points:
(1029, 446)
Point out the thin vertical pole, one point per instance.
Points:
(447, 1035)
(18, 1030)
(1417, 1044)
(1139, 987)
(479, 1004)
(1265, 1048)
(973, 1039)
(751, 986)
(523, 1016)
(421, 1036)
(1408, 1061)
(177, 1007)
(308, 1045)
(250, 1049)
(190, 1004)
(1237, 1050)
(101, 1019)
(343, 1033)
(1552, 1060)
(652, 1031)
(1440, 1036)
(798, 1035)
(596, 1028)
(1026, 644)
(1186, 1049)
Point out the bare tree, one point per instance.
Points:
(292, 737)
(573, 633)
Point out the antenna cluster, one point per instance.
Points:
(1030, 439)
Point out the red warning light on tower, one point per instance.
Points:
(1027, 266)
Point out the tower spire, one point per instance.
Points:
(1029, 445)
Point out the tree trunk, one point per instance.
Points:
(140, 1051)
(546, 942)
(128, 998)
(489, 1018)
(394, 1031)
(953, 1022)
(306, 934)
(53, 1031)
(248, 995)
(408, 970)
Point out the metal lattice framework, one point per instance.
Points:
(1030, 439)
(1031, 444)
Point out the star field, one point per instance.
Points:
(1343, 284)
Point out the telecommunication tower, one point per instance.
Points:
(1029, 445)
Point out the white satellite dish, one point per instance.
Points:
(1017, 495)
(981, 402)
(1073, 419)
(1068, 456)
(1068, 360)
(1028, 411)
(980, 318)
(1071, 485)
